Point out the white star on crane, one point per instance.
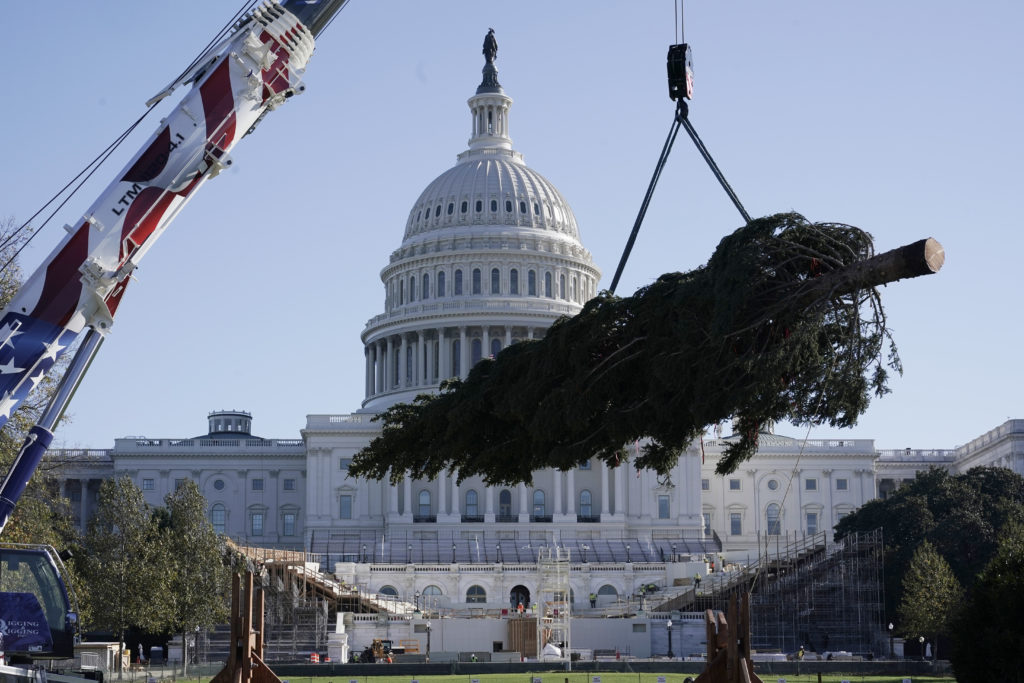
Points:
(7, 333)
(7, 404)
(9, 369)
(54, 348)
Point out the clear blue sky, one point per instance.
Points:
(901, 118)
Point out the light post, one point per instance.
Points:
(920, 644)
(416, 596)
(892, 651)
(428, 641)
(668, 625)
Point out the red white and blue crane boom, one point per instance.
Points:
(81, 283)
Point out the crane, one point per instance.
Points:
(76, 290)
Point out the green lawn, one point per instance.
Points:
(578, 677)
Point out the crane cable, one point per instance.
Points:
(681, 118)
(76, 183)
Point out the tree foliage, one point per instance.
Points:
(125, 564)
(962, 516)
(760, 334)
(931, 596)
(196, 579)
(988, 634)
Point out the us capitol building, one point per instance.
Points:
(492, 255)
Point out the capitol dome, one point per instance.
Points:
(491, 256)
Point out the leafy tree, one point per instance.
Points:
(783, 322)
(125, 565)
(962, 516)
(196, 579)
(931, 596)
(988, 634)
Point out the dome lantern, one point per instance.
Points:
(490, 105)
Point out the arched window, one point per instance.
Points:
(464, 207)
(608, 590)
(586, 503)
(479, 206)
(508, 206)
(772, 517)
(531, 283)
(547, 285)
(431, 590)
(538, 503)
(401, 292)
(561, 286)
(425, 289)
(437, 211)
(476, 595)
(495, 347)
(494, 205)
(458, 283)
(495, 281)
(476, 281)
(218, 517)
(505, 503)
(456, 358)
(451, 208)
(572, 290)
(388, 590)
(513, 281)
(408, 364)
(424, 506)
(440, 283)
(471, 503)
(475, 351)
(522, 206)
(412, 288)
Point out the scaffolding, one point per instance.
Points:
(827, 600)
(553, 605)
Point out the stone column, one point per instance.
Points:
(442, 497)
(367, 390)
(570, 492)
(556, 479)
(508, 336)
(489, 505)
(463, 353)
(456, 498)
(444, 370)
(389, 362)
(431, 370)
(403, 361)
(485, 342)
(392, 502)
(524, 506)
(829, 512)
(407, 485)
(620, 488)
(604, 490)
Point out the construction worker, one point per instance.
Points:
(593, 599)
(696, 581)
